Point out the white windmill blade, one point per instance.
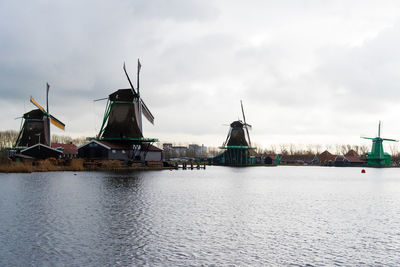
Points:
(146, 112)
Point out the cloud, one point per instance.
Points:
(305, 70)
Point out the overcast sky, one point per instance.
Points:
(320, 72)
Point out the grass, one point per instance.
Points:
(46, 165)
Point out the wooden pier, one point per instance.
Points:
(189, 165)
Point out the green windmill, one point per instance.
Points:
(377, 157)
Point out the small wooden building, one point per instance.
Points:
(41, 151)
(97, 149)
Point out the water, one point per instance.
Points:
(290, 216)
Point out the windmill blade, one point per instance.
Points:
(37, 105)
(369, 138)
(248, 135)
(18, 118)
(227, 137)
(245, 124)
(244, 118)
(129, 80)
(146, 112)
(392, 140)
(57, 123)
(104, 98)
(248, 125)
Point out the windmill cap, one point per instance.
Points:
(122, 95)
(34, 114)
(237, 124)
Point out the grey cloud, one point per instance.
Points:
(291, 62)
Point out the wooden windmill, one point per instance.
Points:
(36, 125)
(123, 115)
(237, 147)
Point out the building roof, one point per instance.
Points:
(354, 159)
(69, 149)
(153, 148)
(325, 157)
(306, 157)
(41, 151)
(351, 153)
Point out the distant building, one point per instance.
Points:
(269, 159)
(298, 159)
(167, 146)
(179, 151)
(197, 151)
(354, 159)
(326, 158)
(70, 150)
(351, 158)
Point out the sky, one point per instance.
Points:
(308, 72)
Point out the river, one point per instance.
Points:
(254, 216)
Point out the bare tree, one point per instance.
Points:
(317, 148)
(363, 149)
(283, 149)
(8, 138)
(394, 148)
(272, 149)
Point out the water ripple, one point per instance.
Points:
(284, 216)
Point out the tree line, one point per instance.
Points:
(9, 137)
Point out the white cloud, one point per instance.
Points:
(308, 71)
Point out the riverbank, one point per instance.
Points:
(53, 164)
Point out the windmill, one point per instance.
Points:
(377, 157)
(236, 135)
(121, 127)
(123, 115)
(36, 125)
(237, 148)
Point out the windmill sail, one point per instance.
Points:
(147, 113)
(37, 104)
(245, 124)
(53, 120)
(57, 123)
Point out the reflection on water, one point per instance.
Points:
(221, 216)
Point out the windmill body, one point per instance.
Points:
(377, 156)
(237, 135)
(34, 129)
(122, 117)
